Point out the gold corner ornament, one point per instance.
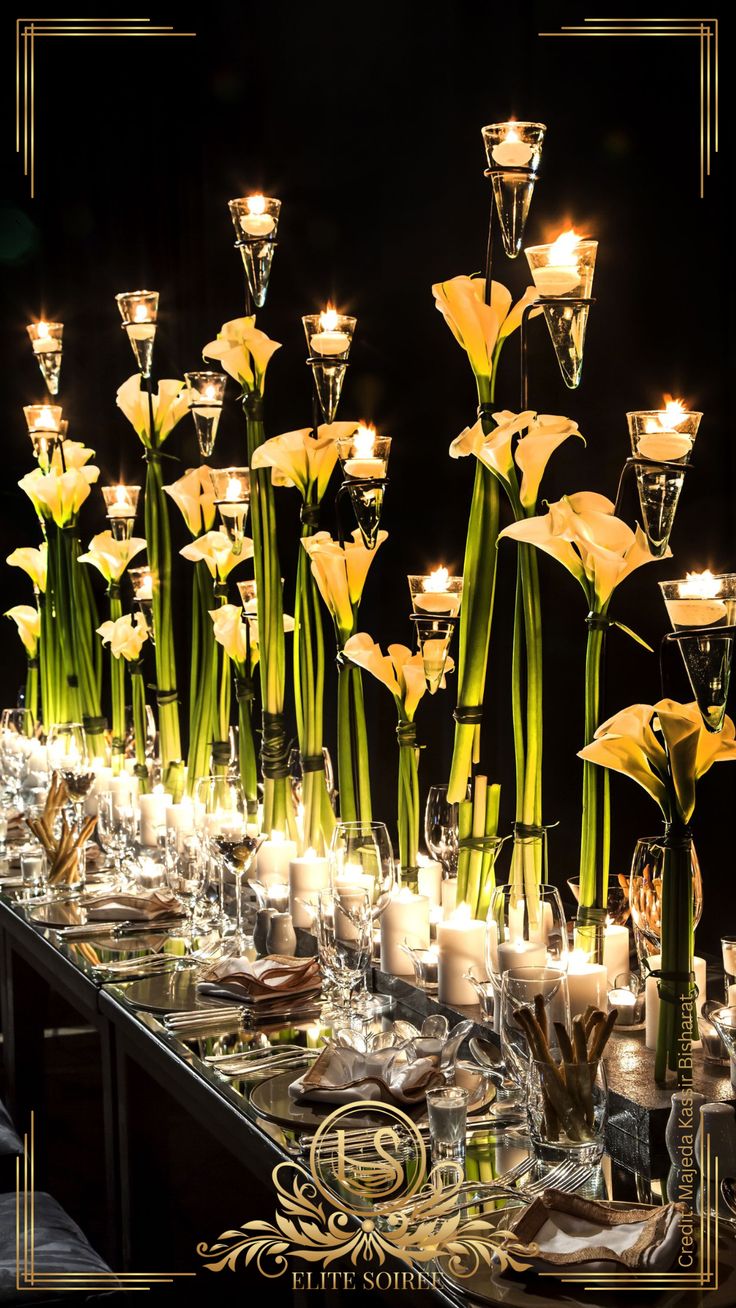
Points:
(328, 1212)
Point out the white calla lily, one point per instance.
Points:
(110, 556)
(59, 496)
(169, 404)
(231, 632)
(400, 671)
(75, 456)
(28, 621)
(297, 459)
(478, 327)
(33, 562)
(244, 352)
(216, 550)
(340, 574)
(125, 636)
(194, 496)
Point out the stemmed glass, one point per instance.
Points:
(66, 746)
(16, 732)
(344, 923)
(521, 933)
(186, 865)
(361, 855)
(519, 987)
(116, 828)
(221, 811)
(440, 828)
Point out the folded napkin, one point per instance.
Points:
(560, 1230)
(136, 906)
(390, 1076)
(266, 978)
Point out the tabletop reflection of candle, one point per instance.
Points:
(329, 340)
(511, 152)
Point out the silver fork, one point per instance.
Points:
(566, 1176)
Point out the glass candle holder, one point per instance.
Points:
(627, 996)
(447, 1110)
(434, 637)
(426, 964)
(47, 342)
(702, 600)
(232, 497)
(514, 152)
(139, 312)
(256, 222)
(44, 425)
(121, 503)
(514, 144)
(329, 338)
(728, 951)
(563, 272)
(364, 455)
(206, 394)
(248, 591)
(665, 435)
(141, 579)
(436, 594)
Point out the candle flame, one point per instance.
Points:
(141, 313)
(42, 330)
(437, 581)
(562, 251)
(121, 495)
(234, 489)
(364, 441)
(209, 392)
(328, 319)
(578, 960)
(674, 412)
(45, 419)
(256, 204)
(461, 914)
(700, 585)
(512, 135)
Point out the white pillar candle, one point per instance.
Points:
(652, 998)
(732, 995)
(180, 819)
(121, 789)
(615, 951)
(404, 921)
(461, 944)
(449, 896)
(153, 815)
(729, 956)
(587, 983)
(430, 881)
(103, 778)
(538, 931)
(38, 760)
(307, 876)
(273, 859)
(521, 953)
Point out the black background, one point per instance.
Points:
(365, 120)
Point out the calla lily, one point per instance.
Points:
(340, 574)
(297, 459)
(59, 495)
(194, 495)
(216, 549)
(400, 671)
(244, 352)
(170, 403)
(125, 636)
(231, 632)
(110, 556)
(75, 456)
(478, 327)
(33, 561)
(541, 434)
(581, 532)
(28, 621)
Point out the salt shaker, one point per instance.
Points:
(281, 937)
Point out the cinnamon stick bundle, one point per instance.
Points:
(567, 1087)
(62, 852)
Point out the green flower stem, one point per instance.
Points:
(44, 645)
(353, 767)
(65, 632)
(224, 698)
(309, 682)
(676, 1010)
(476, 613)
(488, 871)
(595, 838)
(408, 802)
(158, 537)
(117, 692)
(517, 704)
(138, 695)
(31, 693)
(83, 624)
(247, 760)
(464, 830)
(278, 808)
(203, 689)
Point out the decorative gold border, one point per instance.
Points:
(704, 30)
(27, 32)
(28, 1276)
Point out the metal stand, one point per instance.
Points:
(540, 302)
(654, 465)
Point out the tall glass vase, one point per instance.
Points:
(678, 1021)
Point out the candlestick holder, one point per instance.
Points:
(141, 579)
(121, 503)
(364, 460)
(44, 425)
(232, 498)
(434, 637)
(514, 153)
(563, 275)
(661, 443)
(702, 610)
(329, 338)
(139, 312)
(46, 339)
(256, 222)
(206, 391)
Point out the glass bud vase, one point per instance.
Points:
(645, 893)
(525, 930)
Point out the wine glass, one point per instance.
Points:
(519, 988)
(186, 866)
(361, 855)
(66, 746)
(221, 810)
(116, 828)
(344, 923)
(525, 933)
(440, 828)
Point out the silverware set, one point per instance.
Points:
(205, 1021)
(278, 1058)
(567, 1176)
(118, 930)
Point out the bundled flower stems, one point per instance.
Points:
(477, 831)
(63, 853)
(567, 1086)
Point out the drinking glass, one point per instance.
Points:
(66, 745)
(519, 988)
(344, 923)
(566, 1109)
(447, 1110)
(360, 855)
(116, 828)
(521, 934)
(33, 869)
(220, 810)
(440, 828)
(186, 866)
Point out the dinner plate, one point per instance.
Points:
(272, 1100)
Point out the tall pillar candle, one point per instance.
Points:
(461, 944)
(273, 859)
(430, 881)
(615, 951)
(180, 819)
(404, 921)
(587, 983)
(653, 1001)
(449, 896)
(153, 815)
(307, 876)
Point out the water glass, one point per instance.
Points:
(361, 855)
(186, 867)
(441, 828)
(566, 1110)
(447, 1110)
(344, 924)
(519, 988)
(525, 934)
(33, 869)
(116, 828)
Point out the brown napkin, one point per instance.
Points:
(267, 978)
(137, 906)
(341, 1075)
(560, 1229)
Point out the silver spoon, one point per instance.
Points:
(490, 1058)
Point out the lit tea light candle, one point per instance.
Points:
(234, 489)
(693, 602)
(660, 439)
(587, 983)
(256, 221)
(435, 596)
(45, 337)
(628, 1006)
(363, 461)
(653, 1001)
(404, 921)
(561, 273)
(142, 579)
(329, 340)
(511, 152)
(307, 876)
(273, 859)
(121, 502)
(461, 945)
(143, 325)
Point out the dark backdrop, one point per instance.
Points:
(365, 119)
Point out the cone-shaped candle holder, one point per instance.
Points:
(661, 444)
(232, 497)
(329, 337)
(364, 461)
(44, 425)
(702, 610)
(46, 339)
(139, 312)
(514, 152)
(206, 394)
(256, 222)
(563, 274)
(141, 579)
(121, 503)
(436, 594)
(434, 636)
